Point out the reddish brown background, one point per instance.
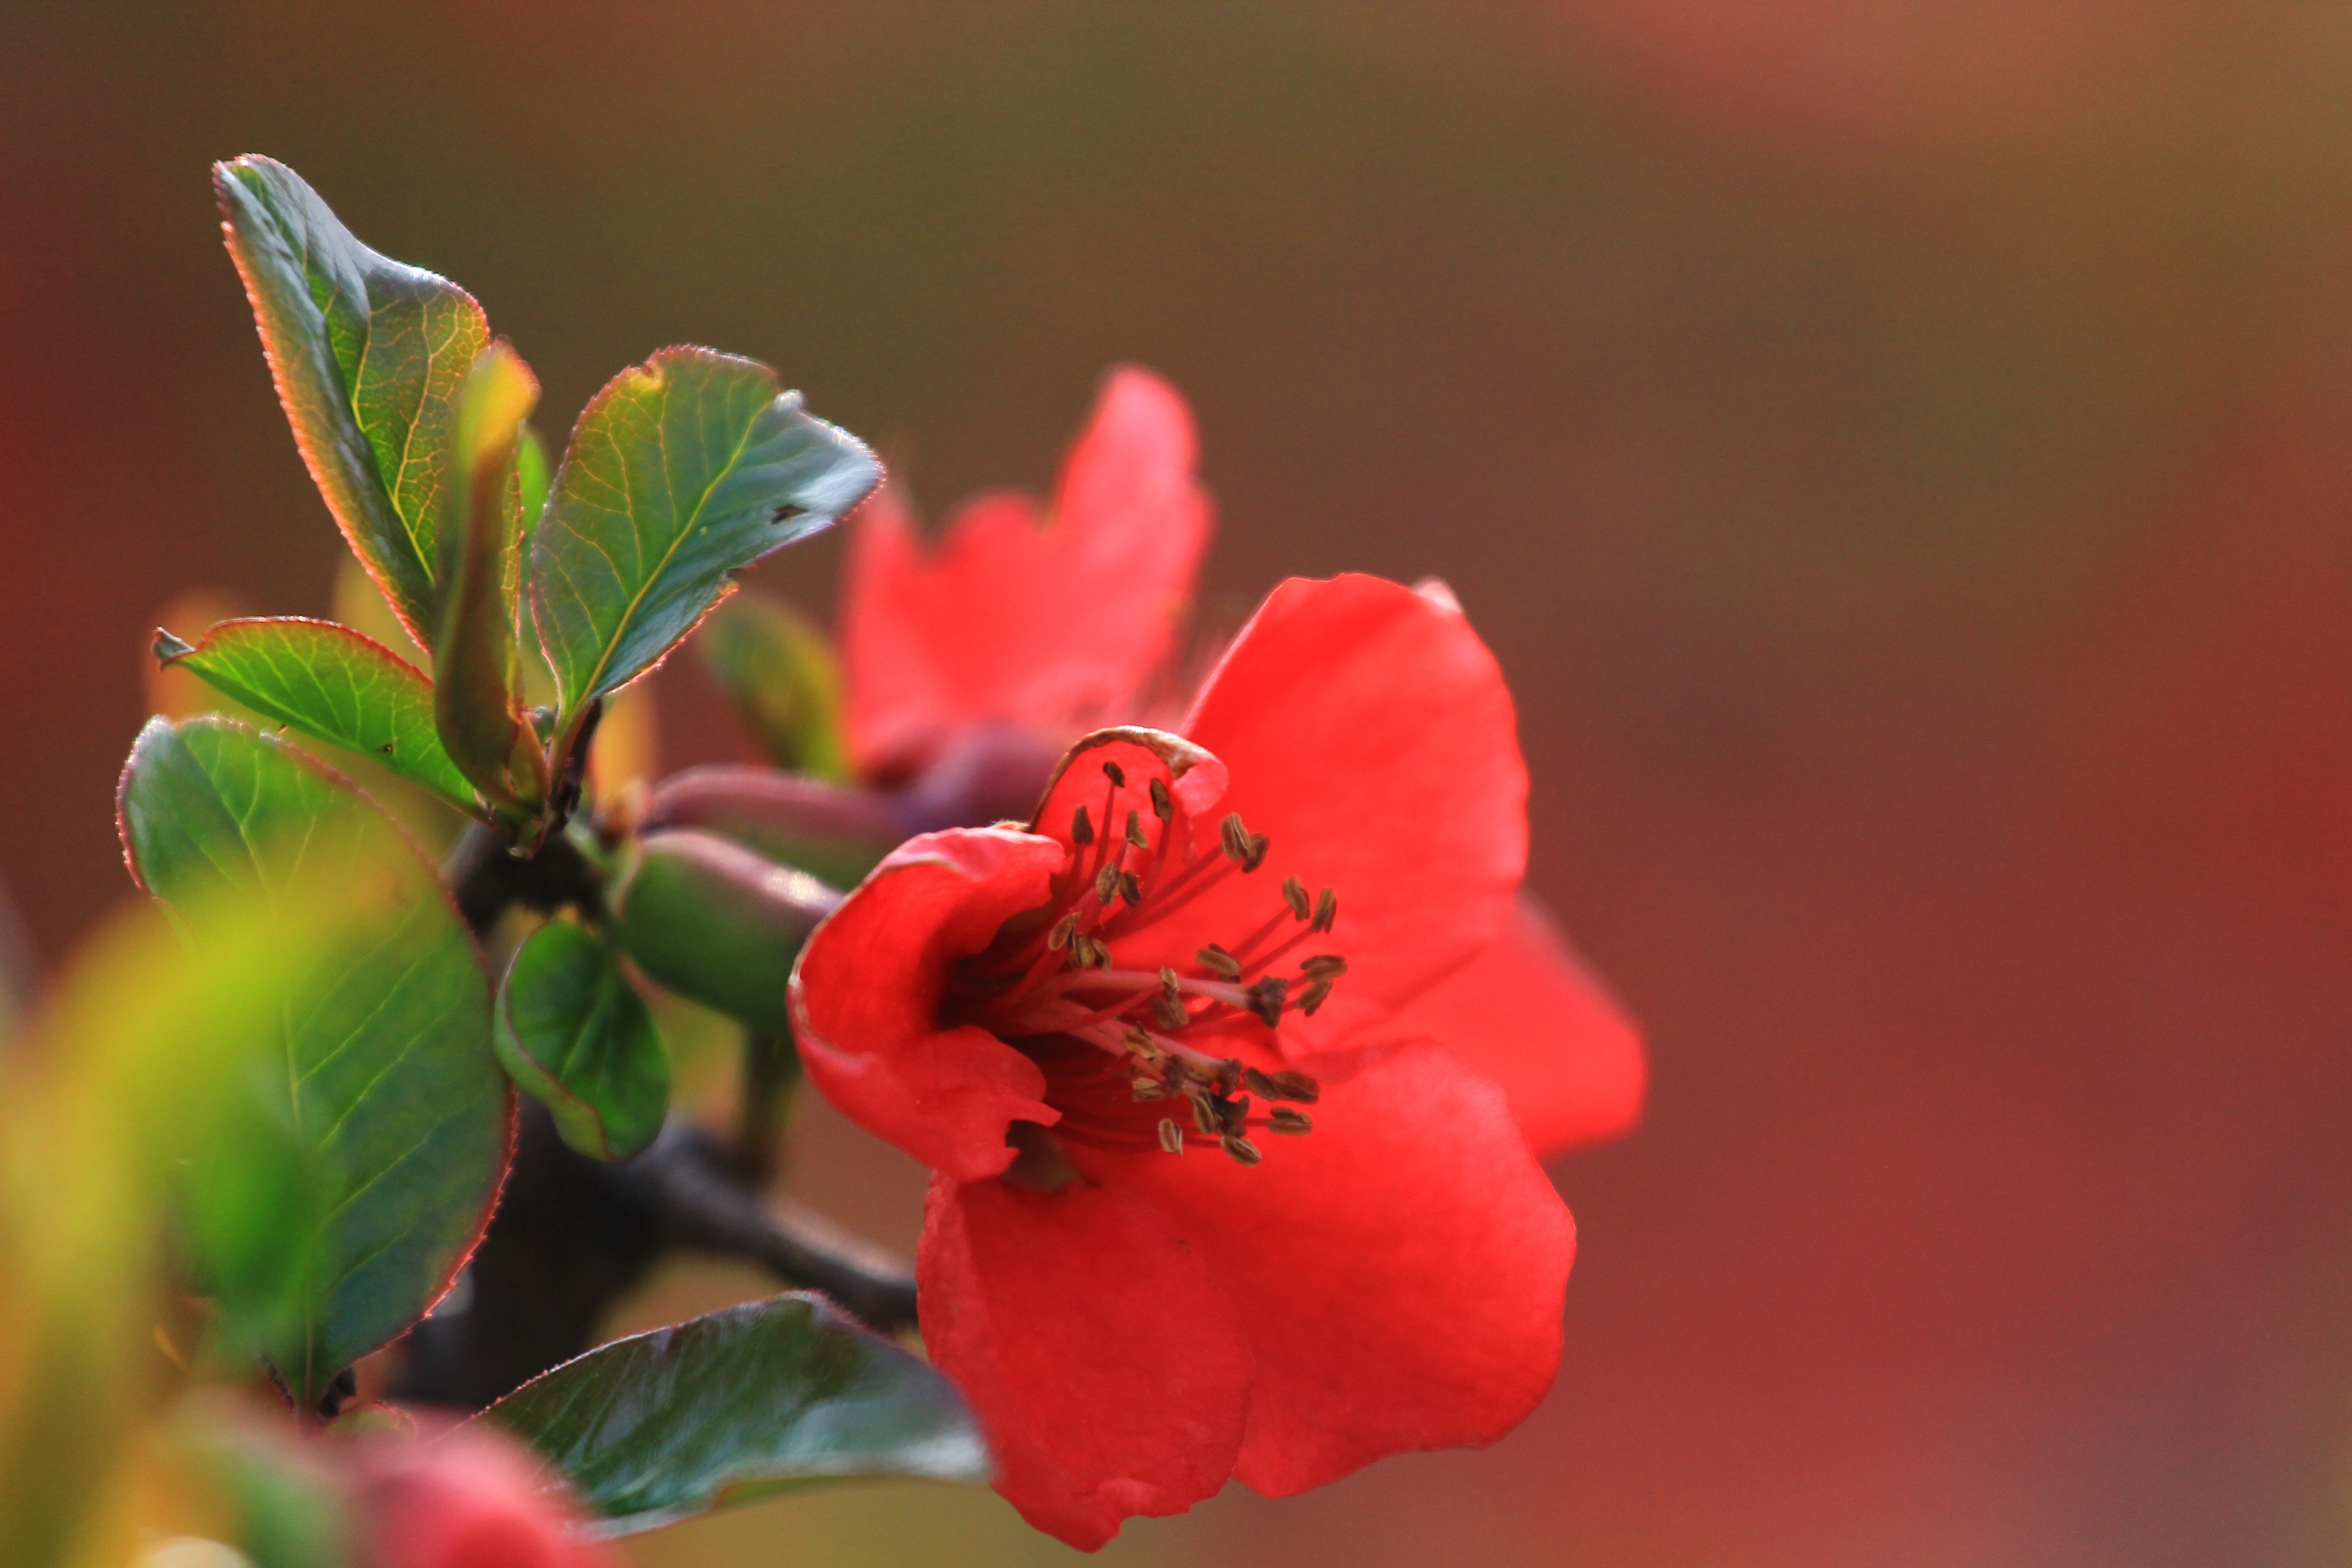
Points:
(1899, 452)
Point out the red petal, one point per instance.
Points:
(866, 996)
(1527, 1014)
(1367, 734)
(1102, 1358)
(1052, 626)
(1400, 1270)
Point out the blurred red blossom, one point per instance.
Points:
(1055, 1020)
(1019, 629)
(469, 1498)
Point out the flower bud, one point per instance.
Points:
(716, 923)
(833, 831)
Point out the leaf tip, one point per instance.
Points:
(169, 650)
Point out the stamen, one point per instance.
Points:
(1294, 1086)
(1323, 966)
(1131, 888)
(1059, 937)
(1294, 893)
(1082, 828)
(1117, 774)
(1135, 829)
(1172, 1137)
(1297, 1124)
(1327, 909)
(1219, 963)
(1266, 998)
(1107, 884)
(1163, 804)
(1242, 847)
(1314, 997)
(1171, 1013)
(1205, 1115)
(1149, 1089)
(1233, 1115)
(1243, 1151)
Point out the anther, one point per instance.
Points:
(1163, 804)
(1082, 829)
(1282, 1118)
(1205, 1118)
(1149, 1089)
(1243, 1151)
(1294, 1086)
(1117, 774)
(1106, 884)
(1315, 996)
(1294, 893)
(1172, 1137)
(1138, 1042)
(1233, 838)
(1266, 998)
(1171, 1013)
(1323, 966)
(1233, 1115)
(1059, 937)
(1219, 963)
(1135, 831)
(1327, 909)
(1130, 888)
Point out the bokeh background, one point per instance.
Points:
(1898, 451)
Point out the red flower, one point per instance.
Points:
(1040, 623)
(465, 1499)
(1099, 1032)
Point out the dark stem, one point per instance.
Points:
(771, 1064)
(573, 1236)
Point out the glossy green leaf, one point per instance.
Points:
(329, 683)
(387, 1075)
(779, 672)
(478, 699)
(737, 1405)
(575, 1035)
(368, 355)
(717, 923)
(680, 472)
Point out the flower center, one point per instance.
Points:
(1128, 1051)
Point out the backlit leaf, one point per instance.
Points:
(367, 354)
(383, 1041)
(779, 670)
(738, 1405)
(477, 701)
(574, 1035)
(332, 684)
(680, 472)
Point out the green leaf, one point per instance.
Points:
(680, 473)
(533, 475)
(575, 1035)
(382, 1042)
(779, 670)
(368, 355)
(717, 923)
(737, 1405)
(332, 684)
(477, 701)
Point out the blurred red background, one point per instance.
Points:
(1899, 452)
